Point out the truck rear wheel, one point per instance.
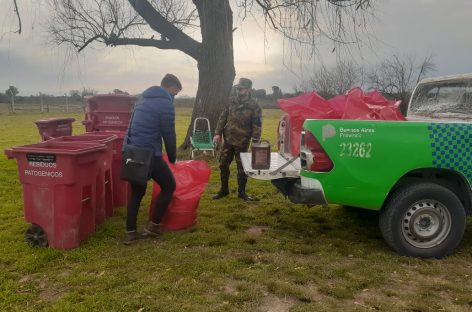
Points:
(423, 220)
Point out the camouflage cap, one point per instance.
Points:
(244, 83)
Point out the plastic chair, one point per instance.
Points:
(202, 140)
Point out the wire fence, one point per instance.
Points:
(45, 107)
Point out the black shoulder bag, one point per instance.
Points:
(136, 162)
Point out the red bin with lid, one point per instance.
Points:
(108, 112)
(54, 127)
(121, 188)
(59, 183)
(104, 174)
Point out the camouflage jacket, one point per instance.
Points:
(240, 121)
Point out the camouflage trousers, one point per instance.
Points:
(228, 152)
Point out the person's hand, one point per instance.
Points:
(217, 139)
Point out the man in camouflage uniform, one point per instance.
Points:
(239, 122)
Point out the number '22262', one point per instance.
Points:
(356, 149)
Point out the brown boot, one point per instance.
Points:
(152, 230)
(131, 237)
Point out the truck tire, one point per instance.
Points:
(424, 220)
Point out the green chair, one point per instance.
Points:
(202, 140)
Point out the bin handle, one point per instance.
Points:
(130, 160)
(9, 153)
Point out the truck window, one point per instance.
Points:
(443, 96)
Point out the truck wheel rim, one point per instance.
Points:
(426, 224)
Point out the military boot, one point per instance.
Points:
(152, 230)
(224, 190)
(131, 237)
(242, 192)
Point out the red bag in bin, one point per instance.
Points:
(191, 178)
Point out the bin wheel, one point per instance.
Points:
(36, 236)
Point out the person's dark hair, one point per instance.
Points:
(170, 80)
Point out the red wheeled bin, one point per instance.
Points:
(59, 183)
(104, 206)
(54, 127)
(121, 188)
(108, 112)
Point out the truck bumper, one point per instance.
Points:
(299, 194)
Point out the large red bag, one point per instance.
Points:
(191, 178)
(355, 104)
(369, 106)
(305, 106)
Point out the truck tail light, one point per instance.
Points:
(312, 155)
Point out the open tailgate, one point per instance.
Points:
(280, 167)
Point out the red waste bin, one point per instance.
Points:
(59, 183)
(54, 127)
(108, 112)
(121, 189)
(104, 207)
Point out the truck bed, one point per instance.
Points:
(275, 171)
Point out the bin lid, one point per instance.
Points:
(59, 148)
(119, 133)
(120, 102)
(87, 137)
(54, 120)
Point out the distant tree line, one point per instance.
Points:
(395, 76)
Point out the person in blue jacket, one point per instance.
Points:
(153, 122)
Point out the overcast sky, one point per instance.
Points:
(415, 27)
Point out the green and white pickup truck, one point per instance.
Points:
(416, 173)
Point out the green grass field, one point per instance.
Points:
(266, 256)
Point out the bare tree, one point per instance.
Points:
(168, 24)
(276, 92)
(88, 92)
(11, 92)
(398, 75)
(329, 82)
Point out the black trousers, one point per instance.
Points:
(163, 176)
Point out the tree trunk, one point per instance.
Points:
(216, 64)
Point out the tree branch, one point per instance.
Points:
(160, 44)
(157, 22)
(18, 16)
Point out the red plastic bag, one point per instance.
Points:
(191, 178)
(305, 106)
(370, 106)
(352, 105)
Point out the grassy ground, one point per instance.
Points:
(265, 256)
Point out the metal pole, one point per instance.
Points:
(12, 102)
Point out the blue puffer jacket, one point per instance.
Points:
(154, 122)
